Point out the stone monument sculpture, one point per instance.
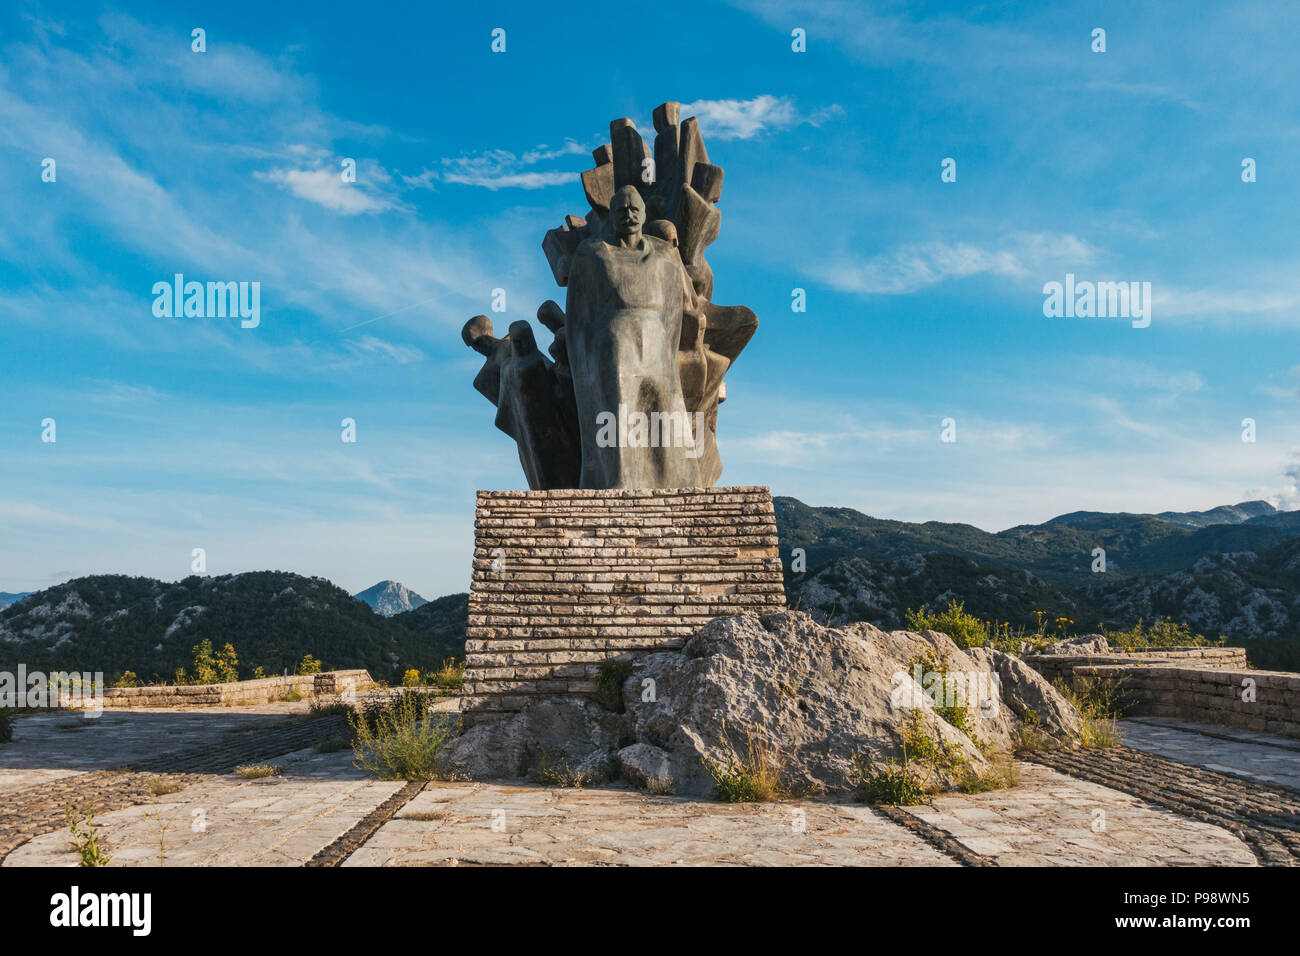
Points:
(630, 396)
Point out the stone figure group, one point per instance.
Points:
(629, 396)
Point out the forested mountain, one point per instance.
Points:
(1239, 579)
(113, 623)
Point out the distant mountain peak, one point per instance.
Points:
(11, 597)
(390, 597)
(1224, 514)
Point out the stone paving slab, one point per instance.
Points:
(1048, 820)
(1054, 820)
(274, 821)
(476, 823)
(1249, 754)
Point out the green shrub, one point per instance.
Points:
(401, 740)
(952, 704)
(609, 684)
(1164, 632)
(126, 679)
(892, 782)
(449, 676)
(308, 666)
(966, 630)
(221, 667)
(373, 709)
(908, 781)
(411, 678)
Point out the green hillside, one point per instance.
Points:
(273, 618)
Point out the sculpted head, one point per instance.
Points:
(662, 229)
(521, 338)
(477, 334)
(627, 211)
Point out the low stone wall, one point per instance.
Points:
(260, 691)
(565, 579)
(1267, 701)
(1053, 666)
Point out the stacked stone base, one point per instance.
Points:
(565, 579)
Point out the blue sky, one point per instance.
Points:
(924, 298)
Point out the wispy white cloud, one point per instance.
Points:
(501, 169)
(916, 266)
(503, 180)
(745, 119)
(327, 187)
(1118, 371)
(124, 393)
(1227, 301)
(378, 348)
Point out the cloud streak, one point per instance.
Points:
(915, 266)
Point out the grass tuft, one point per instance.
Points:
(161, 786)
(548, 775)
(1099, 703)
(257, 771)
(752, 777)
(660, 786)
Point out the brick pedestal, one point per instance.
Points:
(564, 579)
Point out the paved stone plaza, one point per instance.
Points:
(322, 810)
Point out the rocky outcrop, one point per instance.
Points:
(818, 701)
(1074, 646)
(570, 733)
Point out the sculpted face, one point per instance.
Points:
(628, 212)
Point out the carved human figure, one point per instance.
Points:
(623, 327)
(531, 401)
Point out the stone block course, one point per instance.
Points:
(563, 579)
(260, 691)
(1183, 688)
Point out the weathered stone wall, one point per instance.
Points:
(565, 579)
(1207, 696)
(1053, 666)
(259, 691)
